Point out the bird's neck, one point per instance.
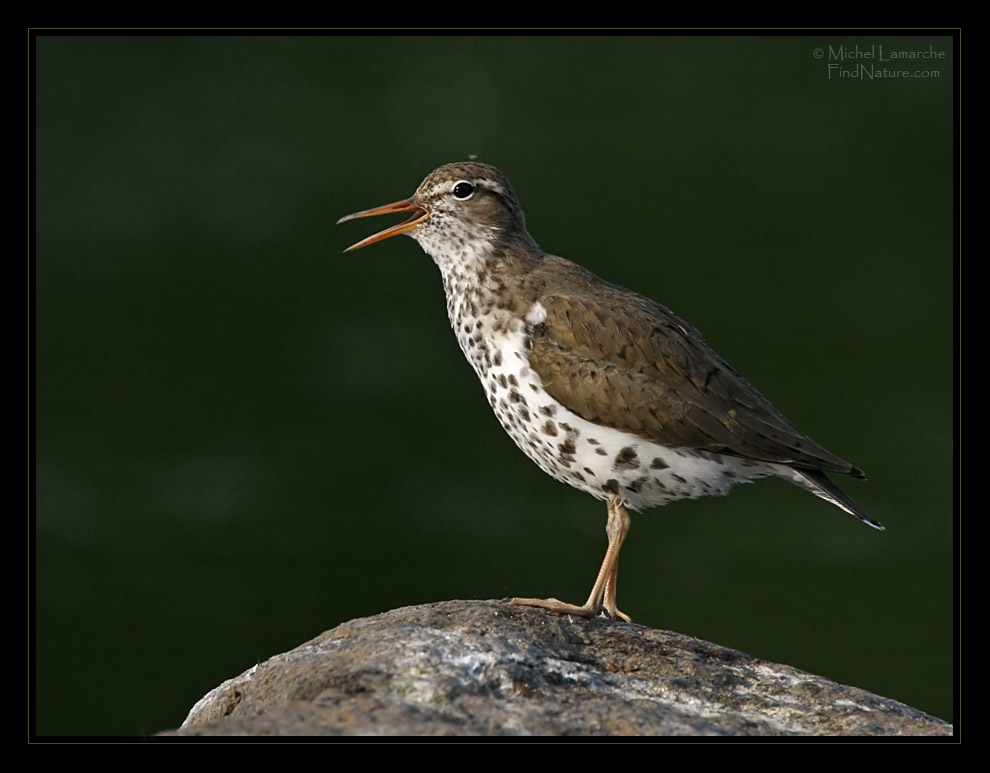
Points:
(488, 295)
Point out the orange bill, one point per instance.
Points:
(419, 214)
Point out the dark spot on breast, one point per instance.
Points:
(548, 410)
(503, 381)
(611, 486)
(594, 442)
(512, 380)
(498, 359)
(550, 428)
(626, 459)
(601, 452)
(658, 464)
(637, 485)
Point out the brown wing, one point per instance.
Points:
(619, 359)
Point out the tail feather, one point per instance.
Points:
(818, 484)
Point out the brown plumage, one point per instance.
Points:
(617, 358)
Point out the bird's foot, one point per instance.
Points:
(588, 610)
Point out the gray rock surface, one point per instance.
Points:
(486, 668)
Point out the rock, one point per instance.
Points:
(487, 668)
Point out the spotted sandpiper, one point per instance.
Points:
(601, 387)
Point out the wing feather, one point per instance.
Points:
(619, 359)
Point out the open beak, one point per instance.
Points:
(419, 215)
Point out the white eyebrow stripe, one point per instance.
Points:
(447, 186)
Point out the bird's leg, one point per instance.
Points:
(603, 594)
(616, 528)
(602, 599)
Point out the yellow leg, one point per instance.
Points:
(602, 599)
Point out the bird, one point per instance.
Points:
(603, 388)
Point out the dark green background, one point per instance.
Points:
(245, 437)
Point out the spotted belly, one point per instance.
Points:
(599, 460)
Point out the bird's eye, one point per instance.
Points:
(463, 190)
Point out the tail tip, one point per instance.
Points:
(875, 524)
